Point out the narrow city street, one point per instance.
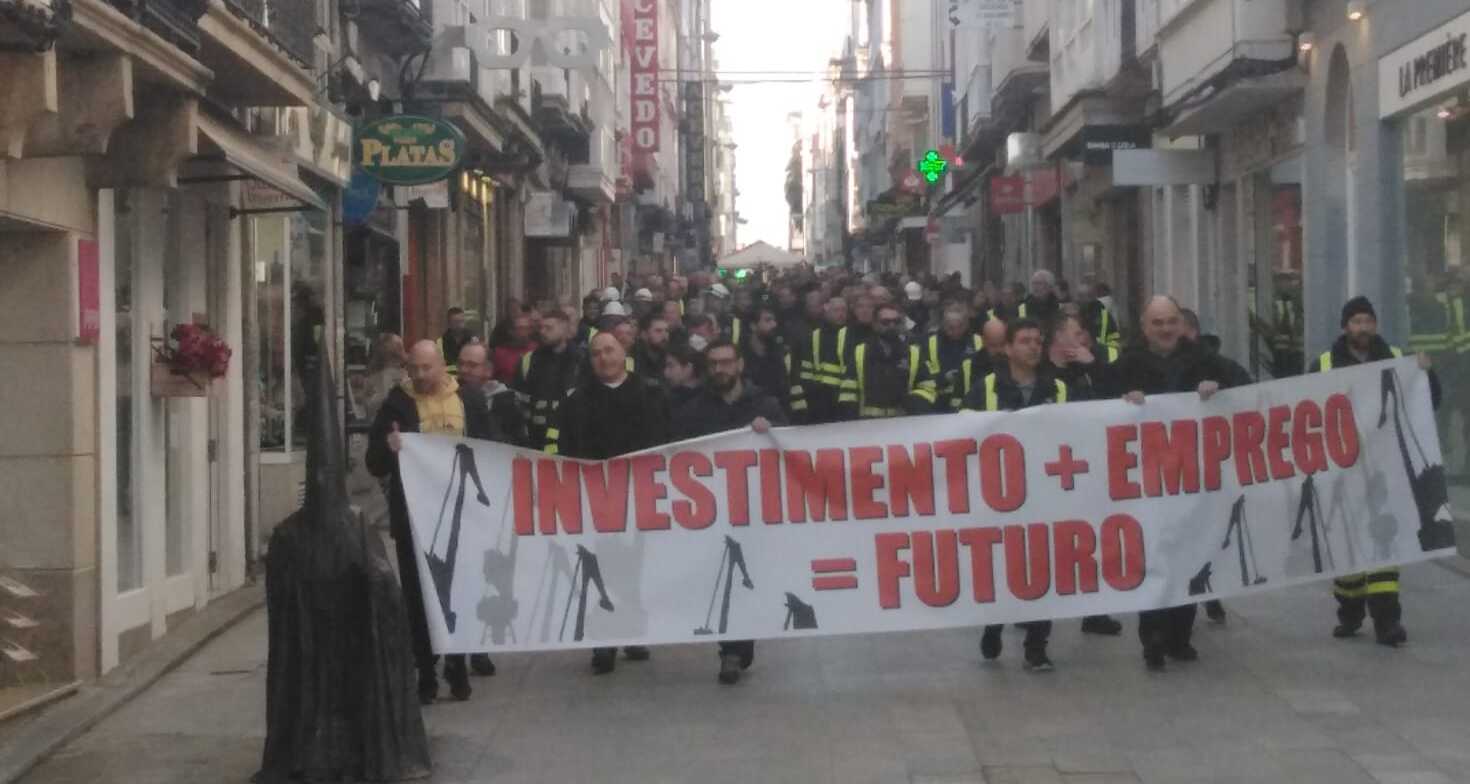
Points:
(1273, 699)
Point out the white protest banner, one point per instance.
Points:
(929, 522)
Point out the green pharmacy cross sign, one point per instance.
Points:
(932, 166)
(408, 150)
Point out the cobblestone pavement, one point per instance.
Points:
(1274, 699)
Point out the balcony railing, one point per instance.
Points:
(291, 24)
(177, 21)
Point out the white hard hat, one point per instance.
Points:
(643, 295)
(611, 294)
(913, 290)
(614, 308)
(719, 290)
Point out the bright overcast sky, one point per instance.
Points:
(772, 35)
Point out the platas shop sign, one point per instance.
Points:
(408, 150)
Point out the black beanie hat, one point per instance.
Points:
(1356, 306)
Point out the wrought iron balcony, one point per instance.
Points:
(177, 21)
(291, 24)
(401, 26)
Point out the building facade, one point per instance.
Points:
(167, 163)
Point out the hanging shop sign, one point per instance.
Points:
(548, 216)
(1100, 141)
(1419, 72)
(641, 23)
(932, 166)
(408, 150)
(1007, 195)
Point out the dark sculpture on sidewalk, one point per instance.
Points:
(341, 703)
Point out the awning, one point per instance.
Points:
(254, 160)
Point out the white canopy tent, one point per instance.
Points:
(758, 254)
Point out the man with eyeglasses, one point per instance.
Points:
(728, 402)
(890, 379)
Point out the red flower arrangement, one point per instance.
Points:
(192, 349)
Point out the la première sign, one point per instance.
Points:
(1426, 70)
(408, 150)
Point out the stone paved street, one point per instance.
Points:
(1274, 699)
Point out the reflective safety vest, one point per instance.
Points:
(1113, 353)
(543, 412)
(798, 393)
(924, 390)
(955, 398)
(992, 399)
(1106, 337)
(832, 375)
(1431, 333)
(1457, 323)
(735, 327)
(1325, 361)
(1287, 327)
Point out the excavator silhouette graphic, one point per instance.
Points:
(1310, 518)
(733, 556)
(591, 574)
(799, 614)
(498, 611)
(441, 569)
(1431, 493)
(1240, 527)
(548, 587)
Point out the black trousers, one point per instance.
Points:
(1038, 634)
(1384, 607)
(1171, 627)
(745, 649)
(413, 600)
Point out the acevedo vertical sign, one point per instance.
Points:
(643, 70)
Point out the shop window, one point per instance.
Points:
(290, 277)
(1436, 180)
(129, 532)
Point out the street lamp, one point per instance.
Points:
(1356, 10)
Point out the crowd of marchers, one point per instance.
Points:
(654, 360)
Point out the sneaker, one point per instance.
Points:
(1102, 624)
(729, 669)
(428, 687)
(481, 665)
(1185, 652)
(1215, 611)
(603, 661)
(1153, 658)
(458, 678)
(1393, 637)
(637, 653)
(1343, 631)
(1036, 661)
(990, 643)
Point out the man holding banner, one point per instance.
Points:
(1376, 592)
(431, 402)
(613, 413)
(1022, 381)
(728, 403)
(1168, 362)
